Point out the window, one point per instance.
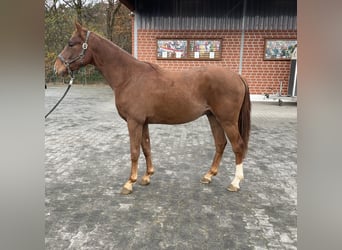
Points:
(189, 49)
(279, 49)
(172, 49)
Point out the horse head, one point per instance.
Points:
(75, 54)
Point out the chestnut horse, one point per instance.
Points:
(147, 94)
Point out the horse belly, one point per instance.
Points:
(176, 112)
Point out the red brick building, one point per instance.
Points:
(253, 38)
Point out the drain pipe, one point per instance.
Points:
(135, 31)
(242, 35)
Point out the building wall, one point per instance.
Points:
(263, 77)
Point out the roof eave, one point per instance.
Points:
(130, 4)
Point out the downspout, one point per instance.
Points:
(135, 31)
(242, 35)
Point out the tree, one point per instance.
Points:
(112, 10)
(58, 27)
(78, 6)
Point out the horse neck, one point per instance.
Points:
(116, 65)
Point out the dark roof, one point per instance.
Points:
(265, 5)
(214, 14)
(130, 4)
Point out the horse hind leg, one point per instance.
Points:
(146, 147)
(238, 147)
(220, 144)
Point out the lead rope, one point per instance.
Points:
(66, 91)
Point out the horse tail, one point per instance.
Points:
(245, 117)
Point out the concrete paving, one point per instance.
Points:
(88, 161)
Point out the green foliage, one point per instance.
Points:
(59, 25)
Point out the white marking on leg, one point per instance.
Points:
(129, 185)
(238, 176)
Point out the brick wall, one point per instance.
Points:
(262, 76)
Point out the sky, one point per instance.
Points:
(49, 2)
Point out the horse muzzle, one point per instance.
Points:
(59, 68)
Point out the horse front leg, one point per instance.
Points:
(146, 147)
(135, 135)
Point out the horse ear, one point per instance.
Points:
(78, 27)
(80, 30)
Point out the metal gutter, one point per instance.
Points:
(242, 44)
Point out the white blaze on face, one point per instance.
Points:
(238, 176)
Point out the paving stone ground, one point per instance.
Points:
(88, 161)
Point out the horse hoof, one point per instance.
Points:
(144, 182)
(232, 188)
(205, 180)
(126, 191)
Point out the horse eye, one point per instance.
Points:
(70, 43)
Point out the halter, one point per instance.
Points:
(80, 56)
